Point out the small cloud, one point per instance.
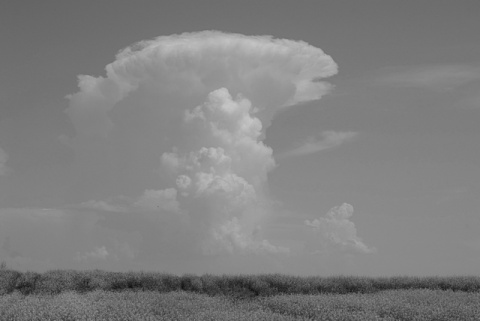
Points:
(327, 139)
(438, 77)
(337, 229)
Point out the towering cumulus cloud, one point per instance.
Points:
(178, 121)
(336, 228)
(270, 73)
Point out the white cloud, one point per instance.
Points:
(337, 229)
(271, 72)
(200, 103)
(436, 77)
(183, 183)
(228, 176)
(327, 139)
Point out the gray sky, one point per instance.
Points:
(212, 145)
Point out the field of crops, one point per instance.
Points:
(150, 305)
(100, 295)
(244, 286)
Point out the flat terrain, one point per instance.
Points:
(69, 295)
(151, 305)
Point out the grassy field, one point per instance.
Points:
(99, 295)
(150, 305)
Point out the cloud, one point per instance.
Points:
(85, 238)
(226, 179)
(436, 77)
(4, 170)
(230, 237)
(337, 229)
(199, 102)
(170, 170)
(327, 139)
(272, 73)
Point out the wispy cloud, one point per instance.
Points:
(326, 140)
(433, 77)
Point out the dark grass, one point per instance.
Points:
(240, 286)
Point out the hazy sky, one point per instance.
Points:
(300, 137)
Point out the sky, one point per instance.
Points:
(296, 137)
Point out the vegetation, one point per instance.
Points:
(98, 305)
(238, 286)
(100, 295)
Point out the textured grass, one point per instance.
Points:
(244, 286)
(99, 295)
(151, 305)
(388, 305)
(128, 305)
